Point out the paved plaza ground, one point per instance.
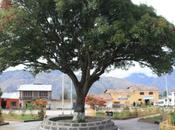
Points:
(21, 126)
(131, 124)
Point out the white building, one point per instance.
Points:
(29, 92)
(167, 101)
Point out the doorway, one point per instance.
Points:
(147, 102)
(3, 103)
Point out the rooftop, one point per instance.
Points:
(12, 95)
(35, 87)
(132, 88)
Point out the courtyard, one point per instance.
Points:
(131, 124)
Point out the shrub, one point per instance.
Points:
(1, 118)
(41, 114)
(100, 114)
(41, 105)
(124, 115)
(172, 116)
(95, 102)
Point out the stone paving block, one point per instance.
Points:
(93, 128)
(54, 128)
(62, 128)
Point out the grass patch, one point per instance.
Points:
(15, 117)
(100, 114)
(118, 115)
(124, 115)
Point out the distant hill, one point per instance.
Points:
(139, 78)
(10, 81)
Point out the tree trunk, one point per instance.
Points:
(79, 109)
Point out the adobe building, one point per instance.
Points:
(133, 96)
(30, 92)
(10, 100)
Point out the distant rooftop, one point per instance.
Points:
(35, 87)
(132, 88)
(11, 95)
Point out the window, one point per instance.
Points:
(27, 94)
(141, 93)
(36, 94)
(150, 93)
(13, 104)
(43, 94)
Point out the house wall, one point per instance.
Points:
(34, 95)
(129, 98)
(10, 102)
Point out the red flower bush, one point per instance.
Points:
(95, 101)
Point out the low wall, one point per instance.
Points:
(48, 112)
(165, 126)
(19, 112)
(105, 124)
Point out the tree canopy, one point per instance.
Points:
(90, 36)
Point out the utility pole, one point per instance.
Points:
(71, 96)
(166, 86)
(63, 94)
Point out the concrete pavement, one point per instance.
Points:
(133, 124)
(21, 126)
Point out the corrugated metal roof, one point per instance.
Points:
(35, 87)
(12, 95)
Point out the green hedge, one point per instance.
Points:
(124, 115)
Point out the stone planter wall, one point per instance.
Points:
(105, 124)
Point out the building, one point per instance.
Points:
(133, 96)
(30, 92)
(167, 101)
(10, 100)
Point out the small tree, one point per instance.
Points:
(41, 105)
(95, 101)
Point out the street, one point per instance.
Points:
(133, 124)
(21, 126)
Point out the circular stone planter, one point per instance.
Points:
(58, 123)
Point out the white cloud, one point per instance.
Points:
(18, 67)
(119, 73)
(164, 8)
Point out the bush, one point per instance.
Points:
(172, 116)
(41, 114)
(1, 118)
(124, 115)
(100, 114)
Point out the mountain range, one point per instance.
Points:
(11, 80)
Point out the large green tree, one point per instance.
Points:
(90, 36)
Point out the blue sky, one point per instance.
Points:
(165, 8)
